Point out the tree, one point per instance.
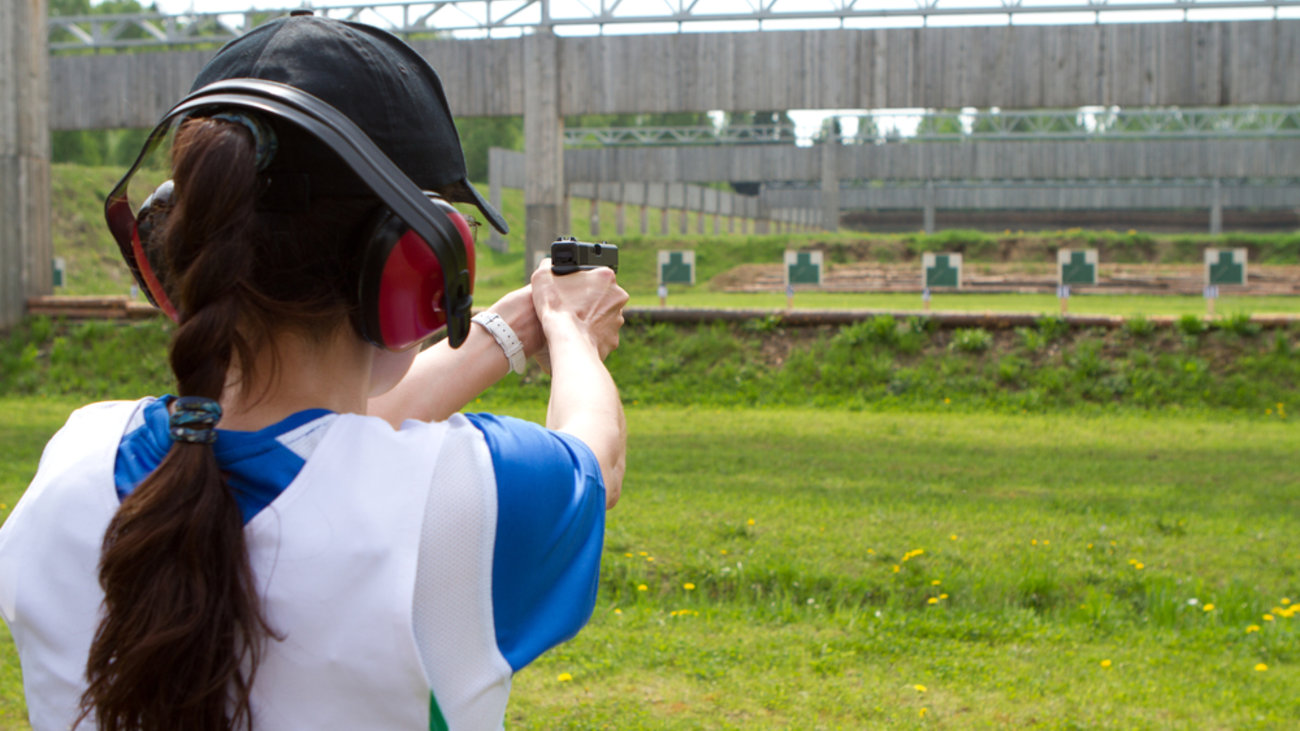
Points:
(480, 134)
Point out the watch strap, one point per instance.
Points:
(505, 337)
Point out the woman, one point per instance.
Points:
(308, 537)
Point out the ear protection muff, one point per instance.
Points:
(417, 268)
(401, 280)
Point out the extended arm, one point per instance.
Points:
(581, 314)
(443, 380)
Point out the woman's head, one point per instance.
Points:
(339, 112)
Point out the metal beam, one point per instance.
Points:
(519, 17)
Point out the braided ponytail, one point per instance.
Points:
(183, 630)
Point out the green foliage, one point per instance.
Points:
(1238, 324)
(1139, 327)
(89, 359)
(971, 340)
(1053, 328)
(1192, 325)
(478, 134)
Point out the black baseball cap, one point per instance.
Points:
(372, 77)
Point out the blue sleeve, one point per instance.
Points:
(550, 530)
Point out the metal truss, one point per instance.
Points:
(676, 136)
(811, 185)
(587, 17)
(1079, 124)
(887, 127)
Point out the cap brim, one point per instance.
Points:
(464, 192)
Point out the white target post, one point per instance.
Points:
(1074, 267)
(939, 271)
(802, 268)
(675, 267)
(1223, 267)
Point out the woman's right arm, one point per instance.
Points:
(581, 314)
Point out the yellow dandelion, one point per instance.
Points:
(947, 400)
(1268, 618)
(1268, 412)
(643, 553)
(1261, 667)
(618, 611)
(1113, 543)
(564, 678)
(642, 587)
(952, 537)
(871, 552)
(628, 555)
(688, 586)
(1139, 565)
(750, 521)
(932, 600)
(1208, 608)
(934, 583)
(1047, 543)
(919, 688)
(924, 711)
(1284, 600)
(897, 568)
(943, 596)
(1089, 546)
(1033, 542)
(1252, 628)
(724, 552)
(1105, 663)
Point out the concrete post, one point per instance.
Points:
(831, 148)
(566, 212)
(544, 190)
(593, 211)
(1216, 208)
(928, 215)
(621, 214)
(496, 180)
(26, 245)
(663, 212)
(645, 209)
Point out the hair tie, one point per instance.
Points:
(194, 420)
(264, 139)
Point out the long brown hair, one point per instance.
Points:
(183, 630)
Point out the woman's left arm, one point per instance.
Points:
(442, 380)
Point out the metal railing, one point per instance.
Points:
(479, 18)
(891, 126)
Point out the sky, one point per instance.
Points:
(808, 122)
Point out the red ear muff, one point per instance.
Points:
(145, 251)
(402, 292)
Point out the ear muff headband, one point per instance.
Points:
(351, 144)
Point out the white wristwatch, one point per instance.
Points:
(505, 337)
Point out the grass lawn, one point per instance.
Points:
(1046, 304)
(835, 569)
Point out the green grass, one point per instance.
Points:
(790, 523)
(1046, 304)
(880, 363)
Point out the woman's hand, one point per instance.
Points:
(590, 298)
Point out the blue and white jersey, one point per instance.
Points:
(410, 572)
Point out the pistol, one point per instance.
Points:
(569, 255)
